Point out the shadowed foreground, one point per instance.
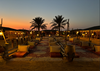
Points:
(50, 66)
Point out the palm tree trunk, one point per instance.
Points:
(59, 31)
(39, 31)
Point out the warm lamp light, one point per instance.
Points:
(57, 34)
(83, 34)
(22, 33)
(69, 31)
(49, 35)
(18, 33)
(31, 32)
(86, 33)
(57, 31)
(68, 35)
(1, 33)
(77, 32)
(15, 32)
(63, 32)
(37, 34)
(92, 33)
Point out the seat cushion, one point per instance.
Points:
(71, 39)
(31, 43)
(55, 49)
(38, 39)
(85, 43)
(23, 48)
(70, 49)
(97, 48)
(52, 43)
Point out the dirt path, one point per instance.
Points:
(50, 66)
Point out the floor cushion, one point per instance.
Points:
(55, 54)
(19, 54)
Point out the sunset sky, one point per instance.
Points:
(18, 14)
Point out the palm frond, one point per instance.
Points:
(54, 24)
(55, 27)
(63, 24)
(33, 24)
(37, 23)
(64, 21)
(62, 27)
(43, 26)
(34, 27)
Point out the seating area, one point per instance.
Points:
(94, 48)
(19, 47)
(25, 49)
(61, 48)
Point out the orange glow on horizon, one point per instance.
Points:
(17, 23)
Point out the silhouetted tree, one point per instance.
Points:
(58, 22)
(38, 23)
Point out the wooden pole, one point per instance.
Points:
(89, 37)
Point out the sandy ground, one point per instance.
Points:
(50, 66)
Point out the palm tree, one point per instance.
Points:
(58, 22)
(38, 23)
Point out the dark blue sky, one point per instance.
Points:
(18, 13)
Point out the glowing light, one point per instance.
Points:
(22, 33)
(63, 32)
(31, 32)
(49, 35)
(15, 32)
(92, 33)
(77, 32)
(1, 33)
(69, 31)
(18, 33)
(57, 31)
(57, 34)
(37, 34)
(86, 33)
